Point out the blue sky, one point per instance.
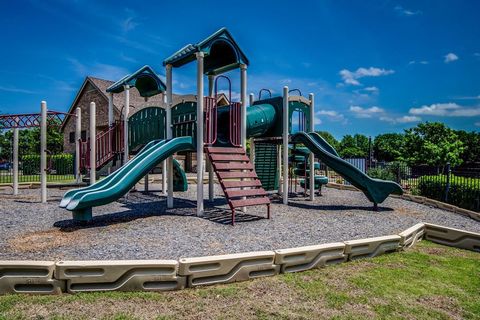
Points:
(374, 66)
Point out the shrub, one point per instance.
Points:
(463, 192)
(62, 163)
(30, 164)
(381, 173)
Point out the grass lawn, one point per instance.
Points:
(7, 179)
(425, 282)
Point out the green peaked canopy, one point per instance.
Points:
(222, 53)
(144, 79)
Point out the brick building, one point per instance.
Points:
(94, 90)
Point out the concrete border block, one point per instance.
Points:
(120, 275)
(371, 247)
(412, 235)
(453, 237)
(468, 213)
(417, 199)
(34, 277)
(228, 268)
(309, 257)
(431, 202)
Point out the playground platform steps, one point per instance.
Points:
(238, 179)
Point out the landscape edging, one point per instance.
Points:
(419, 199)
(50, 277)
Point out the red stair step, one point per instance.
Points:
(249, 202)
(213, 150)
(242, 184)
(232, 166)
(236, 174)
(245, 193)
(229, 157)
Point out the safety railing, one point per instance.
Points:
(210, 136)
(235, 123)
(107, 143)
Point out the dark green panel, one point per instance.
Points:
(266, 165)
(146, 125)
(184, 119)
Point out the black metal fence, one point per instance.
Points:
(459, 186)
(60, 168)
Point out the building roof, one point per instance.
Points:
(101, 85)
(145, 79)
(136, 101)
(222, 53)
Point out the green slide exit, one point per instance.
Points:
(116, 185)
(376, 190)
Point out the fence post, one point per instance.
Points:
(447, 186)
(15, 158)
(399, 175)
(78, 137)
(43, 152)
(93, 158)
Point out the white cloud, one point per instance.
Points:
(407, 119)
(331, 114)
(418, 62)
(17, 90)
(405, 12)
(467, 97)
(360, 112)
(402, 119)
(371, 89)
(446, 110)
(450, 57)
(351, 77)
(101, 70)
(129, 23)
(128, 58)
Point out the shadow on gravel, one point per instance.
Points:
(144, 205)
(326, 207)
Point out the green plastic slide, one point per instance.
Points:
(112, 178)
(376, 190)
(82, 201)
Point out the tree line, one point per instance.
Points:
(428, 143)
(29, 142)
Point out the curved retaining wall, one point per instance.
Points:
(50, 277)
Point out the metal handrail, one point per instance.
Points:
(260, 93)
(298, 90)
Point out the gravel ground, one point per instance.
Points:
(140, 226)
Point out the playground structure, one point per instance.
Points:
(193, 125)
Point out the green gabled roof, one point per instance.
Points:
(147, 82)
(229, 57)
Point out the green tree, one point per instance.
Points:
(354, 146)
(329, 138)
(389, 147)
(29, 141)
(432, 143)
(471, 146)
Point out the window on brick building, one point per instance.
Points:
(83, 136)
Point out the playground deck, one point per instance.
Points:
(141, 227)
